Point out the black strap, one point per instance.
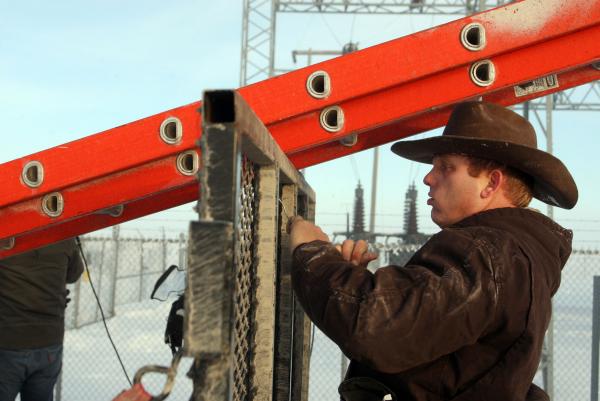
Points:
(174, 329)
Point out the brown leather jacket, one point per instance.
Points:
(463, 320)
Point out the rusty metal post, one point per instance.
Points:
(210, 279)
(302, 326)
(285, 299)
(266, 275)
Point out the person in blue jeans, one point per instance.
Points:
(33, 297)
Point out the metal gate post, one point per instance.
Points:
(302, 326)
(210, 280)
(247, 334)
(266, 276)
(285, 298)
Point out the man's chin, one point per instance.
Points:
(438, 220)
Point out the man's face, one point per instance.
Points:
(453, 193)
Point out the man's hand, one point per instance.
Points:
(356, 252)
(302, 231)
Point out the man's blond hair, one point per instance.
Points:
(517, 186)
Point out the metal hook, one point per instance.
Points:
(171, 372)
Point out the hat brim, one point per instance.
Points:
(552, 182)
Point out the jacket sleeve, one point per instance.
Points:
(400, 317)
(75, 267)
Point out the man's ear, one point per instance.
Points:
(495, 180)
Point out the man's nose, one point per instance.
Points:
(427, 179)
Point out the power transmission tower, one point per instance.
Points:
(258, 41)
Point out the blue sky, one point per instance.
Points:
(70, 69)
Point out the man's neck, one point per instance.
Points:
(498, 202)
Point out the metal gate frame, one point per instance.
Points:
(247, 333)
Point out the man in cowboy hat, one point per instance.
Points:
(464, 319)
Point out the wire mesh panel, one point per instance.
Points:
(244, 287)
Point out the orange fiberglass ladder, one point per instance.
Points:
(507, 55)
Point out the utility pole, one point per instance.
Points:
(374, 189)
(547, 365)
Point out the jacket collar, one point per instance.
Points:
(525, 221)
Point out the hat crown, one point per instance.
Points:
(492, 122)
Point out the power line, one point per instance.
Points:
(331, 30)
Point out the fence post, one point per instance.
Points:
(164, 250)
(181, 251)
(100, 274)
(595, 338)
(115, 234)
(77, 302)
(141, 269)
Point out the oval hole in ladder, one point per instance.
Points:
(349, 140)
(188, 162)
(171, 131)
(52, 204)
(33, 174)
(318, 84)
(483, 73)
(473, 37)
(7, 243)
(332, 119)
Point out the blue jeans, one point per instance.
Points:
(31, 372)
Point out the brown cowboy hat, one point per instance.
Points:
(489, 131)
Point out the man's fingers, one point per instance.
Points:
(302, 231)
(347, 248)
(338, 247)
(291, 221)
(359, 249)
(368, 257)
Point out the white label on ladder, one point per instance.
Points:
(537, 85)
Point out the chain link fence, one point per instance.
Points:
(123, 271)
(572, 322)
(570, 354)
